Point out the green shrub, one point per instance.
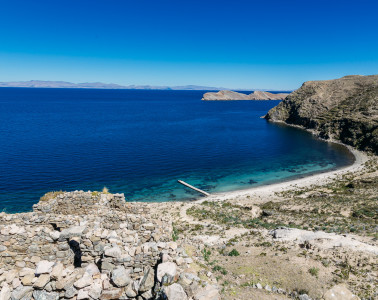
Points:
(220, 269)
(234, 252)
(174, 233)
(314, 271)
(206, 254)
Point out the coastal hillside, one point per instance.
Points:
(344, 109)
(230, 95)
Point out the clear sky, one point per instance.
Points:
(235, 44)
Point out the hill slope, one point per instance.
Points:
(344, 109)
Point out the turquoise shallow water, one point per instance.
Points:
(141, 142)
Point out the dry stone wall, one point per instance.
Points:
(85, 245)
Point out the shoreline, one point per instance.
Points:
(315, 179)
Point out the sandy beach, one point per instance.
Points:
(316, 179)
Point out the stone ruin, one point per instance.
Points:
(90, 245)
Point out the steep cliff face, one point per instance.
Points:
(344, 109)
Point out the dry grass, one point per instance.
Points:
(50, 195)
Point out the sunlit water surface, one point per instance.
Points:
(141, 142)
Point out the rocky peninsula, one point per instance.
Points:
(312, 238)
(344, 109)
(256, 95)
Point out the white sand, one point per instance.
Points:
(317, 179)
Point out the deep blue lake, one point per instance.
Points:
(141, 142)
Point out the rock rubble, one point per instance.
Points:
(89, 245)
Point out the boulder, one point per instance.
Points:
(168, 268)
(111, 294)
(95, 289)
(147, 281)
(41, 281)
(209, 292)
(92, 269)
(84, 281)
(70, 292)
(5, 293)
(340, 292)
(16, 282)
(255, 212)
(21, 292)
(10, 275)
(26, 271)
(172, 245)
(113, 252)
(28, 279)
(121, 277)
(57, 270)
(147, 295)
(54, 235)
(82, 294)
(321, 240)
(130, 291)
(44, 295)
(44, 266)
(74, 231)
(175, 292)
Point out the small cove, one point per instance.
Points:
(140, 142)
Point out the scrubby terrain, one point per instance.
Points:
(301, 241)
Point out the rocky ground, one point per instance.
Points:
(91, 245)
(314, 242)
(296, 244)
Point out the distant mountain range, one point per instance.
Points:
(100, 85)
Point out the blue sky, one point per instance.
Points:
(235, 44)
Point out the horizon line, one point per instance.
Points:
(115, 86)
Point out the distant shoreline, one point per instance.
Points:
(133, 89)
(111, 86)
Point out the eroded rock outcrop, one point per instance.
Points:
(322, 240)
(340, 292)
(344, 109)
(230, 95)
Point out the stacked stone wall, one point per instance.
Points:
(84, 245)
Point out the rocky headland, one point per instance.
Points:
(313, 238)
(344, 109)
(256, 95)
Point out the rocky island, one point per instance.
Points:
(312, 238)
(230, 95)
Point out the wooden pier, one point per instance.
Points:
(193, 188)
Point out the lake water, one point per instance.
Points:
(141, 142)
